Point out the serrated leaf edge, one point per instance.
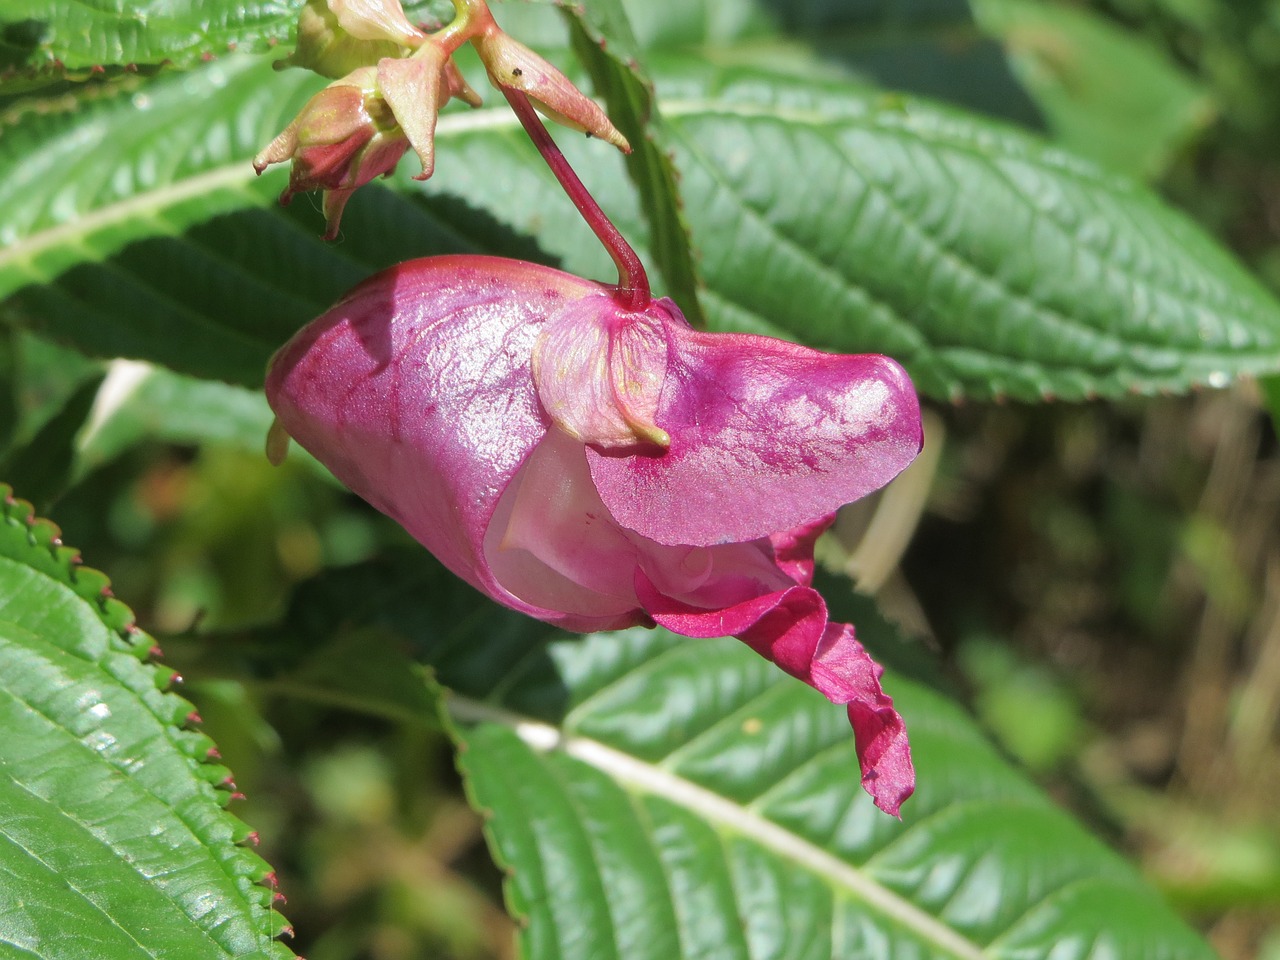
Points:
(52, 558)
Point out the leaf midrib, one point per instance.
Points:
(655, 781)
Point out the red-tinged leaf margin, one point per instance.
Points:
(37, 543)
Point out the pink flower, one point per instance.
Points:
(599, 468)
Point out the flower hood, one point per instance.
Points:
(598, 468)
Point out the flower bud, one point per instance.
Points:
(376, 20)
(513, 65)
(412, 89)
(338, 36)
(359, 127)
(344, 137)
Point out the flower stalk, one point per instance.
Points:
(633, 282)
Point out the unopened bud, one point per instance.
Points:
(326, 45)
(345, 136)
(376, 20)
(513, 65)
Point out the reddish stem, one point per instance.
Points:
(633, 282)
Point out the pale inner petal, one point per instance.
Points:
(553, 543)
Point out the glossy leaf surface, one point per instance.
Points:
(986, 262)
(116, 843)
(652, 796)
(75, 34)
(1105, 92)
(692, 802)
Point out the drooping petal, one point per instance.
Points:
(552, 543)
(790, 627)
(844, 672)
(765, 436)
(793, 549)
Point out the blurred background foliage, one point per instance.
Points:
(1104, 577)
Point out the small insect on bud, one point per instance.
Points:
(512, 65)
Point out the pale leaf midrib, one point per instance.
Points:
(21, 253)
(655, 781)
(238, 173)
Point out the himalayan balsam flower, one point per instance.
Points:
(598, 468)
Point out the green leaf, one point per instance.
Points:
(930, 48)
(158, 168)
(692, 803)
(704, 24)
(652, 796)
(990, 264)
(44, 467)
(1271, 398)
(79, 34)
(115, 839)
(43, 376)
(139, 402)
(75, 34)
(1107, 93)
(9, 366)
(160, 248)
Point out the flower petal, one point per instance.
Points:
(793, 549)
(599, 372)
(553, 544)
(844, 672)
(765, 436)
(790, 627)
(415, 392)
